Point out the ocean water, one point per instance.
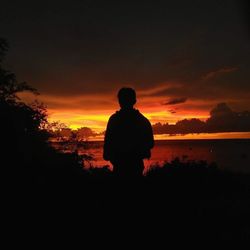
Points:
(229, 154)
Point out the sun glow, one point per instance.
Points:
(75, 120)
(94, 112)
(98, 120)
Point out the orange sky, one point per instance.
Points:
(89, 111)
(94, 110)
(97, 119)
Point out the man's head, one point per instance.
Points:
(127, 98)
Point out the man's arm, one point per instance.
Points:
(108, 141)
(149, 135)
(147, 142)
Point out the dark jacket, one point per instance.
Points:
(128, 135)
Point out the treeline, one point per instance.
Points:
(222, 119)
(25, 139)
(61, 132)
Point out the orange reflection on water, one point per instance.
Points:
(203, 136)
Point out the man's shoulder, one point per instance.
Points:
(142, 117)
(114, 116)
(120, 115)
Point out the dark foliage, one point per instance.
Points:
(181, 203)
(24, 140)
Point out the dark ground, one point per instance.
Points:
(181, 203)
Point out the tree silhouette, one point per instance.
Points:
(85, 132)
(22, 125)
(26, 152)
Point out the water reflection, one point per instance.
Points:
(230, 154)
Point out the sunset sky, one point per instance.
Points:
(182, 57)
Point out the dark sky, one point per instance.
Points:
(197, 51)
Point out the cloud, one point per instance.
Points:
(222, 119)
(219, 72)
(175, 101)
(172, 111)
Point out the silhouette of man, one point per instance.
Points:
(128, 137)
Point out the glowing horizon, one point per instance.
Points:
(94, 110)
(97, 122)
